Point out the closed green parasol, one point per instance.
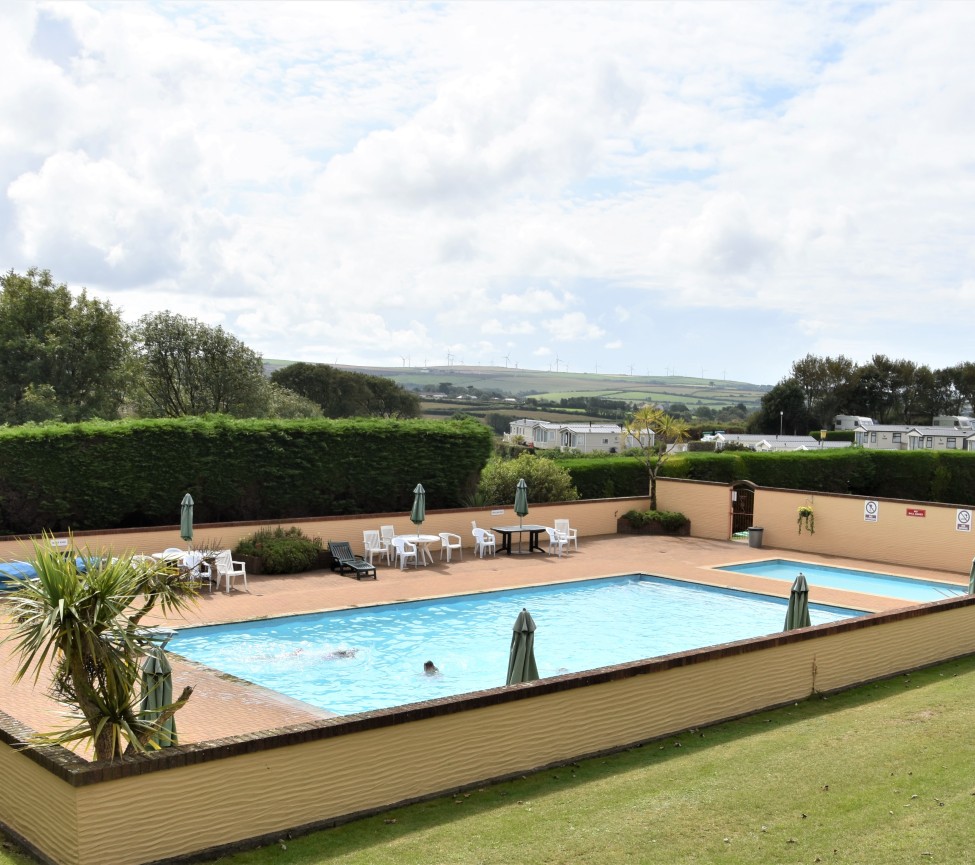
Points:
(521, 659)
(521, 500)
(186, 518)
(157, 694)
(419, 512)
(971, 579)
(797, 613)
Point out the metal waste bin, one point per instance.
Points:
(755, 536)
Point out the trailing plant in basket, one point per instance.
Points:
(807, 519)
(281, 550)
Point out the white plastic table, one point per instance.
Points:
(422, 545)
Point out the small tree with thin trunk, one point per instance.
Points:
(85, 625)
(653, 433)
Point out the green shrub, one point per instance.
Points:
(281, 550)
(547, 480)
(670, 520)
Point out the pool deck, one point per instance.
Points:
(222, 706)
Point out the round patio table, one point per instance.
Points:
(422, 545)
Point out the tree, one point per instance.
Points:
(184, 367)
(656, 432)
(784, 408)
(825, 383)
(347, 394)
(547, 480)
(61, 357)
(284, 403)
(86, 626)
(962, 377)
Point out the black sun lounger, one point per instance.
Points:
(345, 562)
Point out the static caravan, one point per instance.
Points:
(850, 422)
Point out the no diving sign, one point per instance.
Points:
(963, 520)
(870, 510)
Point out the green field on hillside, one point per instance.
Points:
(521, 383)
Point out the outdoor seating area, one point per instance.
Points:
(404, 550)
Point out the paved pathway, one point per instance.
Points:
(222, 705)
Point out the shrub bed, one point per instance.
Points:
(280, 551)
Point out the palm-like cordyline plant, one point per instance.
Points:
(656, 432)
(85, 626)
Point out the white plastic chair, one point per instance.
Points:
(483, 542)
(572, 535)
(448, 543)
(227, 569)
(556, 541)
(192, 563)
(386, 535)
(373, 543)
(405, 550)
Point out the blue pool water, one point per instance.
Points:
(371, 658)
(867, 582)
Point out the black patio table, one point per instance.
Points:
(507, 532)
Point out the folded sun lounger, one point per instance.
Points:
(345, 562)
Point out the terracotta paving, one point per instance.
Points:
(223, 706)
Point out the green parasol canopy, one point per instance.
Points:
(186, 518)
(419, 512)
(521, 659)
(521, 500)
(157, 694)
(797, 613)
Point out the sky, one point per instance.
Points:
(691, 188)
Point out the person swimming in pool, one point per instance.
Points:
(430, 668)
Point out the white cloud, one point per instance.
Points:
(645, 179)
(572, 326)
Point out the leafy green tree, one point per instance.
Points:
(61, 357)
(388, 399)
(962, 377)
(87, 628)
(284, 403)
(547, 480)
(500, 423)
(656, 431)
(184, 367)
(825, 382)
(342, 393)
(783, 407)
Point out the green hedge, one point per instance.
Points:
(602, 478)
(134, 473)
(936, 476)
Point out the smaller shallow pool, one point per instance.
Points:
(866, 582)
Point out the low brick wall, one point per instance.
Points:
(230, 793)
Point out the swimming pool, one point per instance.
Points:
(367, 658)
(867, 582)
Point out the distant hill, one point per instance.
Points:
(521, 383)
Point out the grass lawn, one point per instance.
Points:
(878, 774)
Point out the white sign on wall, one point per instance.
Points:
(870, 510)
(963, 520)
(497, 512)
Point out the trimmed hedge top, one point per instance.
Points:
(104, 475)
